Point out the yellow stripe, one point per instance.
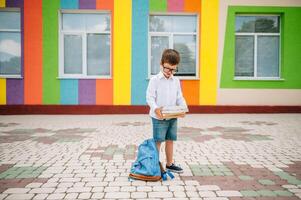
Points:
(2, 3)
(2, 91)
(209, 45)
(122, 52)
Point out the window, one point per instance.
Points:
(10, 44)
(85, 45)
(257, 46)
(178, 32)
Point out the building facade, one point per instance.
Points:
(103, 52)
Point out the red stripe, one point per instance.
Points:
(94, 109)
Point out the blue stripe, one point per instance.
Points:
(69, 91)
(69, 87)
(69, 4)
(139, 80)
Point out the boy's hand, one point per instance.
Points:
(159, 113)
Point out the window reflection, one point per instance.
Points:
(10, 43)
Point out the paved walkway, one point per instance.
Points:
(225, 157)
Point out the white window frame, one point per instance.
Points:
(170, 35)
(255, 35)
(84, 34)
(13, 31)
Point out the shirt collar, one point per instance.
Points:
(161, 75)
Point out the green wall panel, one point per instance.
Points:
(290, 19)
(51, 85)
(157, 5)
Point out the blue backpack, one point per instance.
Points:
(147, 166)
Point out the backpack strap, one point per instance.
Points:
(165, 174)
(170, 174)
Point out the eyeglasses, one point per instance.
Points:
(167, 69)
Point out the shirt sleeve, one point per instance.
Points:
(180, 99)
(151, 95)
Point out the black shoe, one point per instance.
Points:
(175, 168)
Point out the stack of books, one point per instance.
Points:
(173, 111)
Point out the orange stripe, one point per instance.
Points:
(192, 5)
(104, 92)
(191, 87)
(105, 4)
(104, 88)
(33, 63)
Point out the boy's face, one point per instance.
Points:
(168, 70)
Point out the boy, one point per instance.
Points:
(164, 89)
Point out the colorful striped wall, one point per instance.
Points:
(40, 84)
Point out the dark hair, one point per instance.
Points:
(170, 56)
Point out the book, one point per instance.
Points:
(173, 111)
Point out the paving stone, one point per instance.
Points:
(208, 187)
(84, 195)
(73, 180)
(283, 193)
(160, 188)
(49, 185)
(60, 190)
(97, 189)
(138, 195)
(249, 193)
(117, 195)
(266, 182)
(64, 185)
(207, 194)
(127, 183)
(79, 184)
(144, 189)
(16, 191)
(128, 189)
(189, 183)
(56, 196)
(228, 193)
(79, 189)
(172, 183)
(246, 178)
(160, 194)
(295, 190)
(97, 195)
(179, 194)
(34, 185)
(190, 188)
(40, 197)
(176, 188)
(112, 189)
(266, 193)
(192, 194)
(289, 186)
(19, 196)
(71, 196)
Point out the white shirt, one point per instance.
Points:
(163, 92)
